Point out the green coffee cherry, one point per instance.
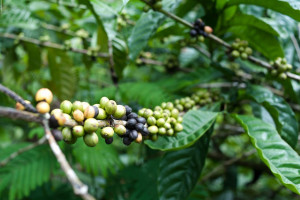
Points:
(157, 114)
(169, 106)
(78, 131)
(148, 113)
(110, 107)
(163, 105)
(102, 114)
(68, 117)
(103, 102)
(67, 136)
(141, 112)
(153, 130)
(160, 122)
(162, 131)
(151, 120)
(180, 107)
(120, 129)
(167, 125)
(90, 125)
(120, 112)
(244, 56)
(282, 76)
(91, 139)
(235, 53)
(178, 127)
(158, 108)
(248, 50)
(170, 132)
(158, 5)
(56, 111)
(107, 132)
(154, 137)
(174, 113)
(78, 115)
(77, 105)
(66, 106)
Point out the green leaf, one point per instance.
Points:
(180, 170)
(63, 77)
(195, 124)
(34, 56)
(120, 53)
(281, 112)
(262, 41)
(286, 7)
(101, 158)
(18, 18)
(252, 21)
(144, 28)
(282, 160)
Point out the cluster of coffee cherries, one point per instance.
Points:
(154, 4)
(240, 49)
(280, 67)
(199, 30)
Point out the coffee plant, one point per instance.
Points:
(149, 99)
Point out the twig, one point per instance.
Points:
(50, 45)
(201, 50)
(113, 73)
(151, 61)
(222, 85)
(22, 115)
(17, 98)
(79, 188)
(296, 45)
(22, 150)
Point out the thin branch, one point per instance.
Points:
(79, 188)
(22, 115)
(22, 150)
(151, 61)
(50, 45)
(296, 45)
(17, 98)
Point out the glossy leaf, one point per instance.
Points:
(282, 160)
(195, 124)
(281, 112)
(180, 170)
(286, 7)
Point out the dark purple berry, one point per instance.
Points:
(124, 118)
(109, 140)
(193, 33)
(145, 132)
(139, 127)
(141, 120)
(132, 116)
(53, 122)
(57, 134)
(96, 111)
(133, 134)
(128, 110)
(127, 141)
(131, 123)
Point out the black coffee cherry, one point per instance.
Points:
(131, 123)
(133, 134)
(96, 111)
(109, 140)
(139, 127)
(141, 120)
(127, 133)
(145, 131)
(53, 123)
(128, 110)
(193, 33)
(132, 116)
(127, 141)
(124, 118)
(57, 134)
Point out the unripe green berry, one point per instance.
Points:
(120, 112)
(160, 122)
(77, 105)
(110, 107)
(169, 106)
(148, 113)
(154, 137)
(158, 5)
(235, 54)
(103, 102)
(67, 136)
(151, 120)
(153, 130)
(78, 115)
(248, 50)
(102, 114)
(85, 105)
(157, 114)
(141, 112)
(90, 125)
(162, 131)
(201, 38)
(177, 101)
(244, 56)
(273, 72)
(167, 125)
(289, 66)
(158, 108)
(282, 76)
(78, 131)
(241, 49)
(172, 120)
(66, 106)
(174, 113)
(56, 111)
(91, 139)
(180, 107)
(120, 129)
(107, 132)
(163, 105)
(178, 127)
(170, 132)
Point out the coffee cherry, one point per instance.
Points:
(154, 137)
(107, 132)
(103, 102)
(77, 105)
(139, 127)
(90, 125)
(178, 127)
(157, 114)
(66, 106)
(19, 106)
(78, 131)
(169, 106)
(160, 122)
(201, 38)
(235, 53)
(120, 129)
(78, 116)
(44, 94)
(91, 139)
(158, 108)
(148, 113)
(57, 134)
(56, 111)
(158, 5)
(120, 112)
(102, 114)
(193, 33)
(110, 107)
(153, 129)
(128, 109)
(91, 112)
(131, 123)
(145, 131)
(133, 134)
(57, 119)
(208, 29)
(180, 107)
(127, 141)
(248, 50)
(67, 134)
(174, 113)
(43, 107)
(244, 56)
(68, 117)
(132, 116)
(141, 112)
(85, 105)
(109, 140)
(162, 131)
(139, 139)
(141, 120)
(282, 76)
(170, 132)
(151, 120)
(167, 125)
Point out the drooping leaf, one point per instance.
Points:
(120, 53)
(281, 112)
(34, 56)
(282, 160)
(195, 124)
(180, 170)
(286, 7)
